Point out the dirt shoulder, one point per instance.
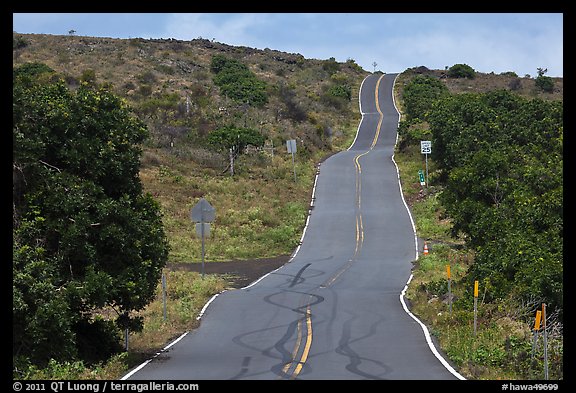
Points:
(240, 273)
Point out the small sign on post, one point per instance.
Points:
(536, 329)
(421, 177)
(426, 148)
(475, 304)
(203, 213)
(291, 146)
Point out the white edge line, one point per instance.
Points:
(141, 366)
(206, 306)
(424, 328)
(134, 371)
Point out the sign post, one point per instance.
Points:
(164, 295)
(203, 213)
(426, 148)
(449, 289)
(545, 335)
(291, 146)
(475, 305)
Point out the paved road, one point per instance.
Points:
(334, 311)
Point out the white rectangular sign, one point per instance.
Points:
(291, 145)
(426, 147)
(203, 232)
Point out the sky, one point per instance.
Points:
(488, 42)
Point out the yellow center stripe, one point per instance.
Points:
(359, 241)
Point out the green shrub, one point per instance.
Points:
(420, 94)
(461, 71)
(342, 91)
(545, 83)
(237, 81)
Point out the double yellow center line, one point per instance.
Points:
(300, 353)
(293, 368)
(358, 202)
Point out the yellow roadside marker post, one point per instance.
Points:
(536, 329)
(475, 304)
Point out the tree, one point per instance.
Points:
(331, 66)
(234, 140)
(461, 71)
(544, 83)
(419, 95)
(85, 236)
(237, 81)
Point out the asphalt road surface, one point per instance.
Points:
(334, 311)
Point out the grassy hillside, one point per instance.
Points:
(261, 210)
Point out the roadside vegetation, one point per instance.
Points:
(492, 212)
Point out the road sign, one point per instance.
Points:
(475, 305)
(203, 232)
(426, 147)
(476, 288)
(291, 145)
(421, 176)
(537, 321)
(203, 212)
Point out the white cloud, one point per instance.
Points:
(484, 49)
(232, 29)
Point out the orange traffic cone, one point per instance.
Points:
(425, 248)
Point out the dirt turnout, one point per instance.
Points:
(241, 272)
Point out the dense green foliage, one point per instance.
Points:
(461, 71)
(418, 97)
(237, 81)
(236, 138)
(503, 158)
(342, 91)
(420, 94)
(85, 236)
(544, 83)
(499, 159)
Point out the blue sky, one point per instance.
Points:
(488, 42)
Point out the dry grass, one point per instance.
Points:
(260, 212)
(187, 293)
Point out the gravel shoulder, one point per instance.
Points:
(240, 273)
